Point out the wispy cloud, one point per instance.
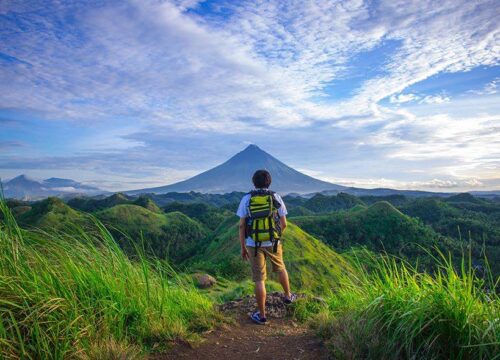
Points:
(155, 62)
(435, 99)
(403, 98)
(490, 88)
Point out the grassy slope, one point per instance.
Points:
(173, 235)
(397, 312)
(311, 264)
(79, 296)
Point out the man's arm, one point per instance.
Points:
(283, 223)
(244, 251)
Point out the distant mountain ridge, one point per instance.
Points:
(232, 176)
(236, 173)
(23, 187)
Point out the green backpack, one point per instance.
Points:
(263, 223)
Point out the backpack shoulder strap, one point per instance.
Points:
(276, 203)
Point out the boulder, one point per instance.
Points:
(204, 281)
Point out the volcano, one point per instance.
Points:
(236, 175)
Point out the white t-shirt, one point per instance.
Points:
(243, 213)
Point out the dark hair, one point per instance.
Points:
(261, 179)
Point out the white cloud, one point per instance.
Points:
(435, 99)
(264, 64)
(490, 88)
(154, 62)
(403, 98)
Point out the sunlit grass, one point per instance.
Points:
(78, 295)
(395, 311)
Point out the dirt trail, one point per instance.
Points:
(281, 339)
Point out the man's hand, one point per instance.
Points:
(244, 253)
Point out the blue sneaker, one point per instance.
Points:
(257, 319)
(290, 300)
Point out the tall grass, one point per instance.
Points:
(395, 311)
(78, 296)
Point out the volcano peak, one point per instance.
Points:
(236, 173)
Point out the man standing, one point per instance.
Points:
(262, 221)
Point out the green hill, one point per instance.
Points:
(464, 217)
(380, 227)
(311, 264)
(395, 200)
(174, 236)
(299, 211)
(95, 204)
(430, 211)
(477, 219)
(207, 214)
(196, 197)
(147, 203)
(320, 203)
(52, 214)
(464, 197)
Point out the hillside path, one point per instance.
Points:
(281, 339)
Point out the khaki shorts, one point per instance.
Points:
(259, 262)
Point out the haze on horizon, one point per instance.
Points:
(134, 94)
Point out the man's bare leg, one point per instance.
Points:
(260, 295)
(285, 283)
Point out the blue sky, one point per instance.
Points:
(130, 94)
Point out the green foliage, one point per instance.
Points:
(147, 203)
(306, 308)
(95, 204)
(463, 217)
(20, 210)
(299, 211)
(380, 227)
(395, 311)
(478, 218)
(395, 200)
(78, 296)
(52, 214)
(12, 203)
(320, 203)
(207, 214)
(218, 200)
(171, 236)
(228, 290)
